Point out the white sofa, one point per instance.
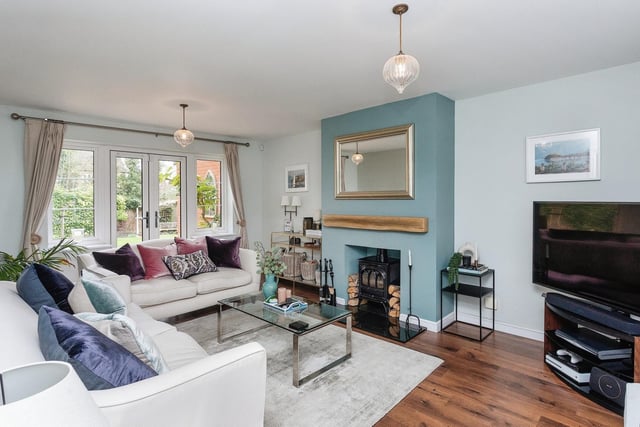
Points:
(163, 297)
(632, 405)
(226, 388)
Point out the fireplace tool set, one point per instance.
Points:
(327, 293)
(410, 315)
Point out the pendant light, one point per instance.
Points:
(183, 136)
(357, 157)
(400, 70)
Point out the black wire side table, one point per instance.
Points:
(475, 289)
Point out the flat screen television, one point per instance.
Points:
(590, 250)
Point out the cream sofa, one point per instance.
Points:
(226, 388)
(163, 297)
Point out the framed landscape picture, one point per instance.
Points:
(567, 156)
(296, 178)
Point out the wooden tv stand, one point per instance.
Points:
(555, 318)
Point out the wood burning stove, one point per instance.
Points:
(375, 274)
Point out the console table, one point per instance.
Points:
(474, 289)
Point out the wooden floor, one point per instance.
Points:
(501, 381)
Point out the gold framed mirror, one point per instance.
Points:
(375, 165)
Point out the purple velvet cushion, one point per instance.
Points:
(124, 261)
(224, 253)
(99, 362)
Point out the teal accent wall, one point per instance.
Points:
(433, 119)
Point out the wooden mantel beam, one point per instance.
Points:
(407, 224)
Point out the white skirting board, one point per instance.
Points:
(469, 318)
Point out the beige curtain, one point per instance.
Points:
(233, 166)
(42, 148)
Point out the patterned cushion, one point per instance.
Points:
(183, 266)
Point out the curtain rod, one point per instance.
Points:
(16, 116)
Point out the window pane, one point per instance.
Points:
(208, 190)
(169, 196)
(73, 204)
(128, 200)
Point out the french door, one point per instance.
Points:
(147, 196)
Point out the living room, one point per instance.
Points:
(492, 200)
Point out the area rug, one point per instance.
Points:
(357, 392)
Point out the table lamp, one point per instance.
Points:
(46, 394)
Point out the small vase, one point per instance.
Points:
(269, 286)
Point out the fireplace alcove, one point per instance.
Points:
(376, 269)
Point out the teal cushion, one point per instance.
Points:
(104, 297)
(40, 285)
(99, 362)
(124, 331)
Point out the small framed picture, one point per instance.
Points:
(296, 178)
(567, 156)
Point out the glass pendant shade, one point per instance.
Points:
(400, 71)
(183, 137)
(357, 158)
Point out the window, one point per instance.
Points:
(73, 207)
(105, 195)
(208, 191)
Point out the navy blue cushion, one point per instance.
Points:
(123, 261)
(99, 362)
(40, 285)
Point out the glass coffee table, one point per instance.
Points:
(316, 316)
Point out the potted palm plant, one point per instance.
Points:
(56, 257)
(270, 264)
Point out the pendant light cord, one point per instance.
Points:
(400, 35)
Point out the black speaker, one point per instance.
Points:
(608, 385)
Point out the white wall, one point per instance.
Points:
(494, 203)
(277, 155)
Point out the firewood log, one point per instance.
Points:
(393, 288)
(396, 294)
(394, 313)
(393, 301)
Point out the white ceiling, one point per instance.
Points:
(267, 68)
